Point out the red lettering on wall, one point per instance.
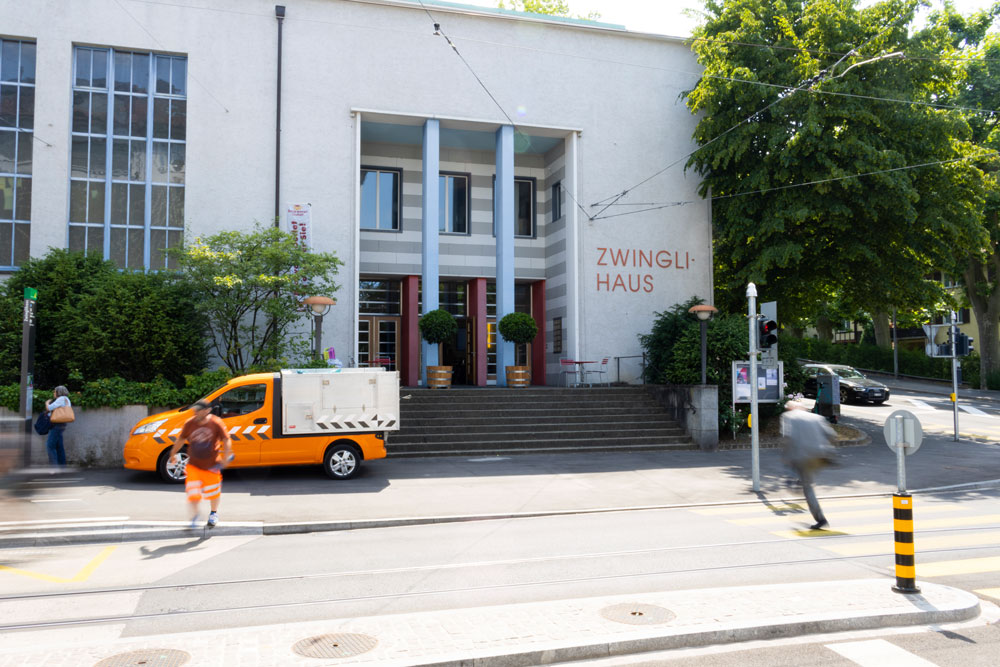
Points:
(600, 260)
(648, 279)
(618, 281)
(644, 258)
(619, 259)
(663, 259)
(606, 281)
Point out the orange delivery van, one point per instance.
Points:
(337, 417)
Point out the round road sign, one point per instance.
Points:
(903, 426)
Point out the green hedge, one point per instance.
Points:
(873, 357)
(116, 392)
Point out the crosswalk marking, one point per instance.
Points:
(989, 592)
(971, 410)
(920, 404)
(885, 545)
(757, 508)
(964, 566)
(886, 526)
(878, 653)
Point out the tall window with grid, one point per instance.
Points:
(17, 122)
(127, 192)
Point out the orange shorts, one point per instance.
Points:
(202, 484)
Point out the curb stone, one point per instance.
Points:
(104, 532)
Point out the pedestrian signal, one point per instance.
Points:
(767, 333)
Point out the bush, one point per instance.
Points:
(438, 326)
(94, 321)
(518, 328)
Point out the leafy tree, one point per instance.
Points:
(549, 7)
(788, 97)
(977, 56)
(250, 286)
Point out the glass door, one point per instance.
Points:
(378, 342)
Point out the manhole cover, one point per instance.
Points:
(154, 657)
(345, 645)
(638, 614)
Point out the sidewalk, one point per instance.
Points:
(116, 505)
(531, 633)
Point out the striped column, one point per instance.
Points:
(902, 525)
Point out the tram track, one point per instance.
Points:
(175, 611)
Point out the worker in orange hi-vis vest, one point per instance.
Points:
(204, 433)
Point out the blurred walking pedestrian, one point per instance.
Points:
(60, 413)
(808, 449)
(204, 433)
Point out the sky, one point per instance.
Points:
(667, 17)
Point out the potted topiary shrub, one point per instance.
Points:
(436, 327)
(518, 328)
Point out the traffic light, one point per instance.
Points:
(767, 333)
(963, 345)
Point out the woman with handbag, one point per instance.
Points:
(60, 413)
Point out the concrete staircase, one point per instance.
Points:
(465, 421)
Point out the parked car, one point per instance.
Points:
(854, 386)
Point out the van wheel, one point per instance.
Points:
(341, 461)
(173, 473)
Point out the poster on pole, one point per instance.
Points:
(770, 382)
(299, 219)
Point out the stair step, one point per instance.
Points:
(528, 436)
(492, 451)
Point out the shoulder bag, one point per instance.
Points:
(62, 415)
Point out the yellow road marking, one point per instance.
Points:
(965, 566)
(930, 542)
(886, 526)
(884, 511)
(793, 507)
(82, 575)
(989, 592)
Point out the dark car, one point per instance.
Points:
(854, 386)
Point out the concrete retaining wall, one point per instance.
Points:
(95, 439)
(696, 407)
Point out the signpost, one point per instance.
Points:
(903, 435)
(28, 367)
(754, 438)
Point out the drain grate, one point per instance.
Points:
(343, 645)
(153, 657)
(638, 614)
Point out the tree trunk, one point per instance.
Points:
(883, 332)
(984, 295)
(824, 329)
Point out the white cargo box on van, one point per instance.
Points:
(339, 400)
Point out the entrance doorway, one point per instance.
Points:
(378, 342)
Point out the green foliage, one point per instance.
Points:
(94, 321)
(659, 344)
(518, 328)
(438, 326)
(547, 7)
(116, 392)
(773, 119)
(249, 287)
(870, 357)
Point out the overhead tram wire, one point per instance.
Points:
(809, 83)
(517, 130)
(654, 206)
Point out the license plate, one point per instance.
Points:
(876, 392)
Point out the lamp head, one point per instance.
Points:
(319, 304)
(703, 311)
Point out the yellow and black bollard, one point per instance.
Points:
(902, 525)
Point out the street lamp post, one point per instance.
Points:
(320, 306)
(704, 313)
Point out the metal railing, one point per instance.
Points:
(618, 367)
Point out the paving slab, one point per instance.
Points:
(534, 633)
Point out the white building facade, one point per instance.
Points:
(127, 124)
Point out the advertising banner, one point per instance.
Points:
(299, 219)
